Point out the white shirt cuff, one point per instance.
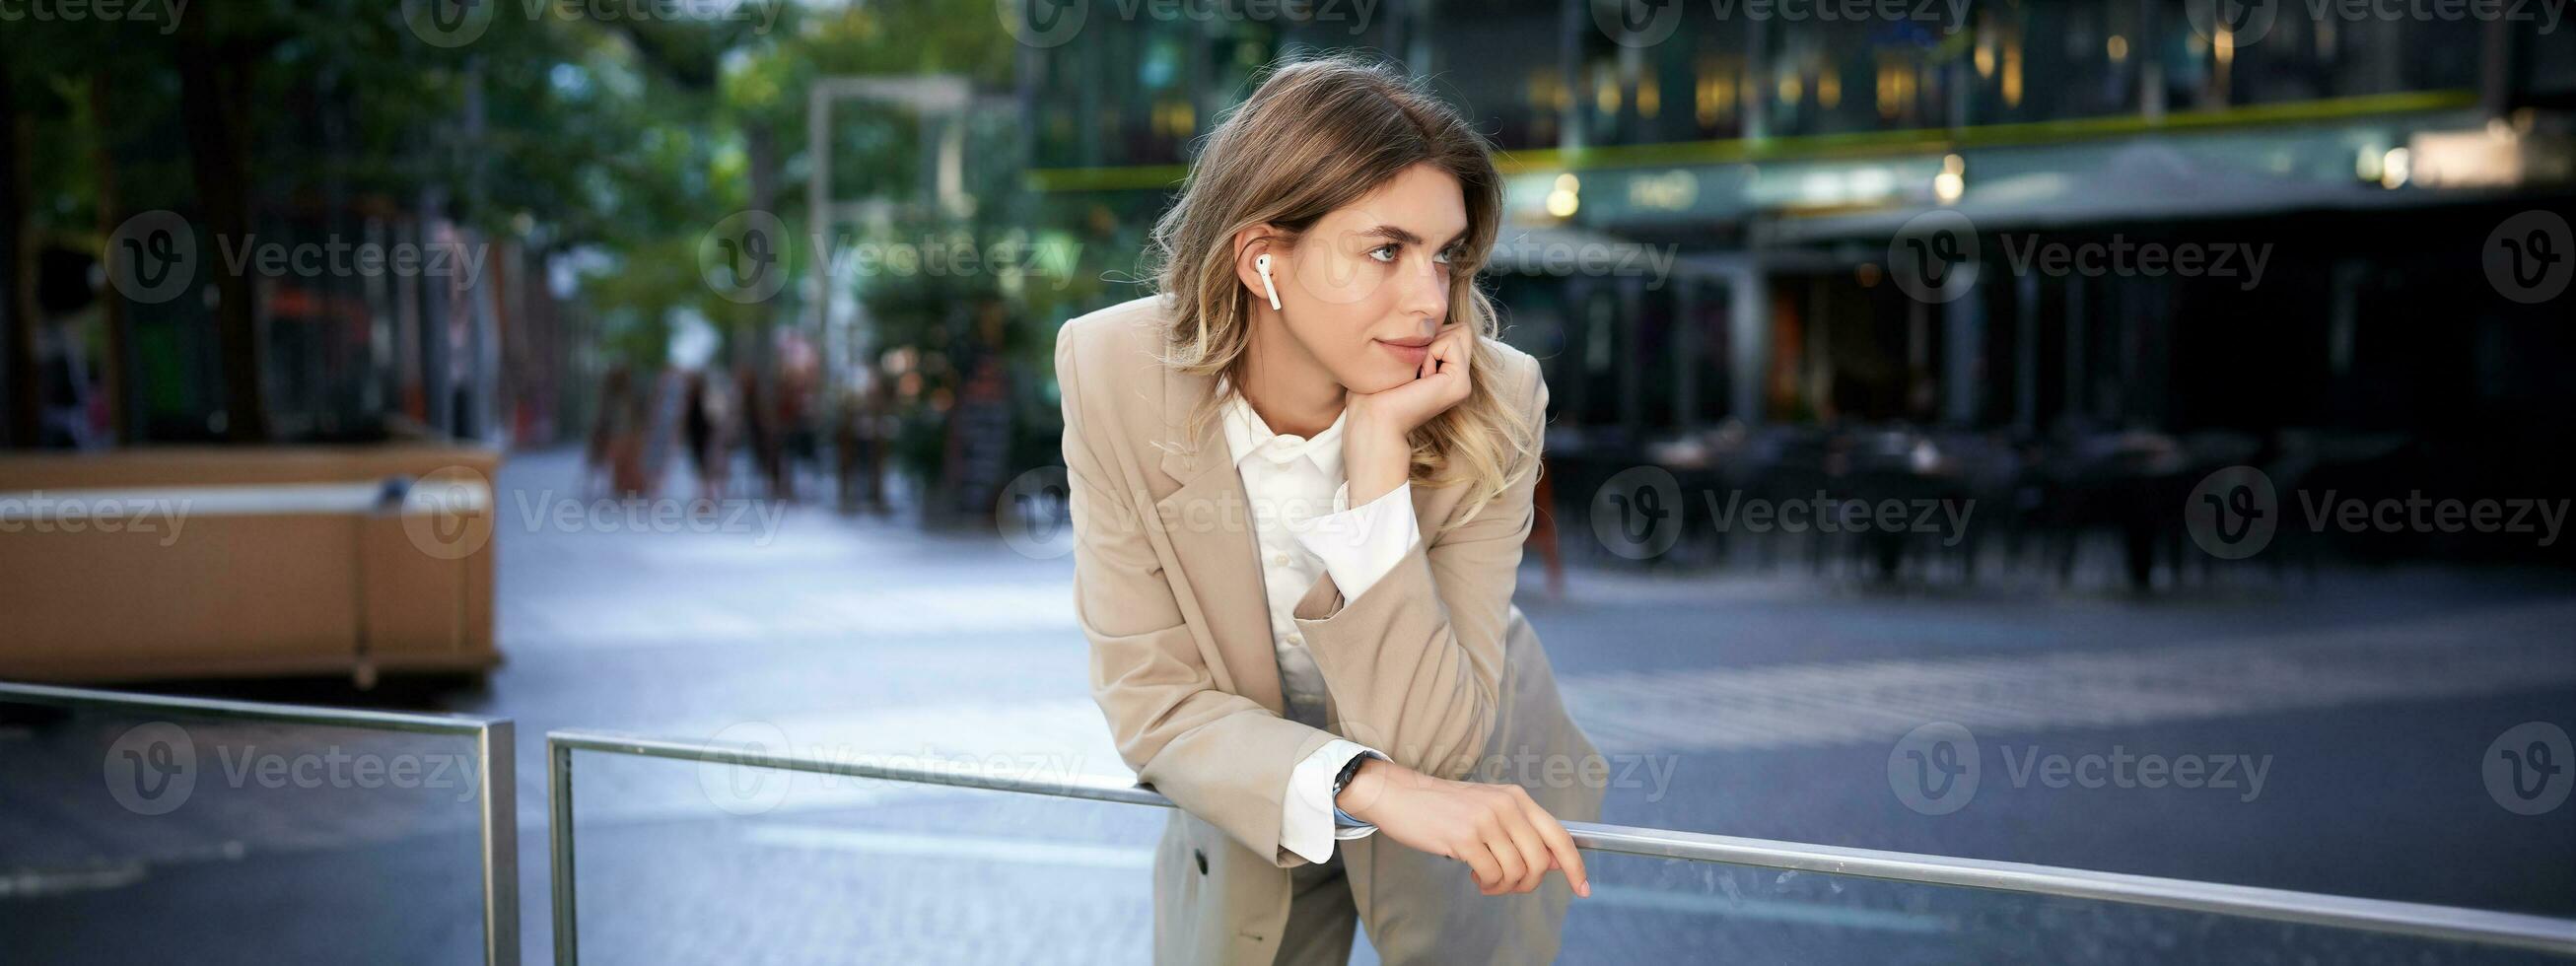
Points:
(1358, 545)
(1306, 814)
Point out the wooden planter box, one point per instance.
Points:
(246, 562)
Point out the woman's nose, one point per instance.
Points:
(1426, 290)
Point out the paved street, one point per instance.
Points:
(2337, 733)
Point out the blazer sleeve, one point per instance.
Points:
(1415, 663)
(1221, 756)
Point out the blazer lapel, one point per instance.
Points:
(1211, 532)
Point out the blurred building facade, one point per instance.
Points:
(1792, 167)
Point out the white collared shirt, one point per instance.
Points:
(1304, 527)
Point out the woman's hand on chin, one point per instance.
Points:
(1377, 449)
(1496, 829)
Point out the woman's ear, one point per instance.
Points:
(1249, 245)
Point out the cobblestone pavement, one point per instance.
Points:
(1762, 704)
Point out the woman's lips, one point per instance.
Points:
(1410, 353)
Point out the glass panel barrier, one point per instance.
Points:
(136, 828)
(686, 862)
(1647, 909)
(743, 850)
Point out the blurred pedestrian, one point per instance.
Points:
(73, 411)
(610, 427)
(860, 442)
(703, 430)
(978, 453)
(796, 416)
(760, 431)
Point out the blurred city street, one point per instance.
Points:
(1739, 703)
(1753, 706)
(2103, 459)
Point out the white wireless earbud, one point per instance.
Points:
(1261, 263)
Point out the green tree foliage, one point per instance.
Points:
(573, 128)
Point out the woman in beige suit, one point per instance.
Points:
(1301, 477)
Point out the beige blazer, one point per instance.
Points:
(1433, 666)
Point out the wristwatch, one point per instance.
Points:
(1343, 780)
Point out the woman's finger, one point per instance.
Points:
(1533, 850)
(1507, 856)
(1481, 860)
(1560, 844)
(1453, 348)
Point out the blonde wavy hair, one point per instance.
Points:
(1317, 135)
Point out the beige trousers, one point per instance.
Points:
(1322, 918)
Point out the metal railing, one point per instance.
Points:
(2448, 923)
(495, 771)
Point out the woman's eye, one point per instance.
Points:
(1384, 253)
(1445, 255)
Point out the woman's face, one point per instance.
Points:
(1367, 287)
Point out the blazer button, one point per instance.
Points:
(1201, 855)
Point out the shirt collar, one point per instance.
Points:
(1247, 436)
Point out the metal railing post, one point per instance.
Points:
(559, 843)
(500, 776)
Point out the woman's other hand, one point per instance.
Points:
(1377, 448)
(1508, 840)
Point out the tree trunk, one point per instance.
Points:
(122, 427)
(17, 276)
(214, 96)
(760, 142)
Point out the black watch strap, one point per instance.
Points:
(1349, 768)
